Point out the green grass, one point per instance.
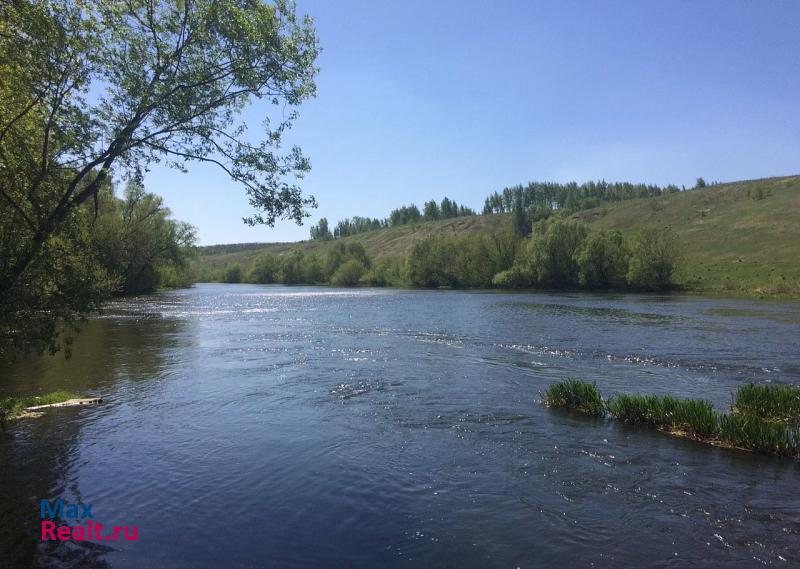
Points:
(575, 394)
(739, 237)
(759, 435)
(13, 406)
(772, 402)
(696, 417)
(760, 429)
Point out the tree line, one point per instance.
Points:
(432, 211)
(559, 253)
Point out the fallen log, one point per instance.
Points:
(68, 403)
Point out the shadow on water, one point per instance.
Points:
(37, 455)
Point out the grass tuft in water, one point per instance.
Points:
(10, 407)
(575, 394)
(696, 417)
(757, 425)
(759, 435)
(771, 402)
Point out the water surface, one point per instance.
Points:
(265, 426)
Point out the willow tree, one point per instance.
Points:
(90, 89)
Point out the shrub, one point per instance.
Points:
(266, 269)
(348, 274)
(232, 274)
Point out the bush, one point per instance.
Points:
(515, 277)
(232, 274)
(266, 269)
(349, 274)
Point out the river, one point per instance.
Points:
(254, 426)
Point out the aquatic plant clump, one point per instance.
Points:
(759, 435)
(772, 402)
(693, 418)
(575, 394)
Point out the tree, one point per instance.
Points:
(137, 241)
(348, 274)
(701, 183)
(654, 259)
(603, 261)
(168, 82)
(522, 225)
(233, 274)
(431, 211)
(552, 254)
(266, 269)
(320, 231)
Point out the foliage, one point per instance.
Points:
(136, 240)
(266, 270)
(320, 231)
(551, 253)
(349, 273)
(522, 224)
(168, 82)
(463, 262)
(233, 274)
(539, 196)
(772, 402)
(602, 261)
(575, 394)
(654, 258)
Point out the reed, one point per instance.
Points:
(696, 417)
(759, 435)
(771, 402)
(575, 394)
(765, 418)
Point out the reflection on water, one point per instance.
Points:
(262, 426)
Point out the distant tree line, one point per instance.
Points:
(559, 253)
(404, 215)
(571, 196)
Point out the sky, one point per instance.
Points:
(422, 99)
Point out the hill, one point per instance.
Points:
(736, 237)
(740, 237)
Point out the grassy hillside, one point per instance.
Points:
(741, 237)
(737, 237)
(389, 243)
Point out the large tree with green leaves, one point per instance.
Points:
(90, 89)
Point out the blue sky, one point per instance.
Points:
(425, 99)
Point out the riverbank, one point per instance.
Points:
(736, 239)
